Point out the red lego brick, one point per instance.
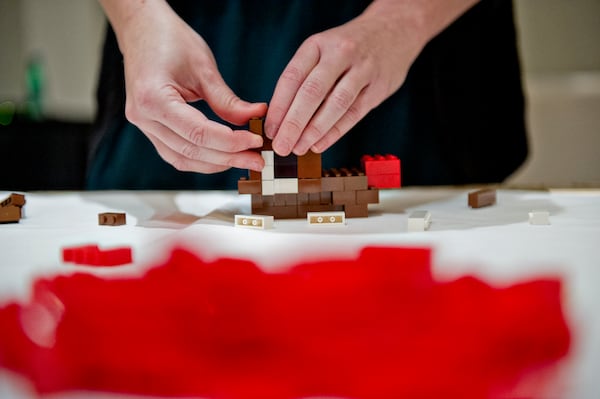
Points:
(92, 255)
(384, 181)
(380, 164)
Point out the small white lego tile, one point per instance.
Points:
(262, 222)
(268, 187)
(539, 217)
(268, 172)
(285, 186)
(419, 221)
(269, 157)
(326, 218)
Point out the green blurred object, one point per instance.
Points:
(35, 82)
(7, 112)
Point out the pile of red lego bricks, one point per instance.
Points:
(379, 326)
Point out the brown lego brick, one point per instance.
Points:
(367, 196)
(356, 211)
(309, 185)
(253, 175)
(256, 125)
(302, 198)
(267, 144)
(112, 219)
(256, 201)
(314, 198)
(279, 200)
(10, 214)
(249, 186)
(481, 198)
(279, 212)
(309, 166)
(326, 197)
(290, 199)
(332, 183)
(352, 183)
(344, 197)
(13, 199)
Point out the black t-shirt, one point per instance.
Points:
(458, 118)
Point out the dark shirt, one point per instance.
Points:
(458, 118)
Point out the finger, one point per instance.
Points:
(227, 105)
(186, 156)
(194, 127)
(292, 77)
(361, 107)
(335, 106)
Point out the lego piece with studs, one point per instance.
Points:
(419, 221)
(262, 222)
(380, 164)
(14, 199)
(92, 255)
(326, 218)
(482, 198)
(10, 214)
(112, 219)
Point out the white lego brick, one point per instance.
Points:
(285, 186)
(326, 218)
(269, 157)
(268, 187)
(419, 221)
(539, 217)
(254, 221)
(268, 172)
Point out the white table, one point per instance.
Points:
(495, 243)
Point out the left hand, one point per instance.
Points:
(336, 77)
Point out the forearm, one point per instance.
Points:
(420, 20)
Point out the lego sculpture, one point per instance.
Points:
(290, 187)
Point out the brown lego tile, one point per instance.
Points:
(481, 198)
(309, 166)
(370, 196)
(112, 219)
(249, 186)
(344, 197)
(356, 211)
(10, 214)
(309, 185)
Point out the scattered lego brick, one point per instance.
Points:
(112, 219)
(10, 214)
(13, 200)
(326, 218)
(383, 171)
(539, 217)
(419, 221)
(92, 255)
(262, 222)
(482, 198)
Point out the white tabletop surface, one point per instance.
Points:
(495, 243)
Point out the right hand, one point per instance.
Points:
(167, 66)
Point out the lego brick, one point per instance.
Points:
(332, 183)
(314, 198)
(262, 222)
(356, 211)
(268, 172)
(279, 199)
(419, 221)
(268, 187)
(309, 185)
(370, 196)
(309, 166)
(92, 255)
(10, 214)
(256, 200)
(256, 125)
(326, 218)
(112, 219)
(380, 164)
(352, 183)
(249, 186)
(326, 197)
(290, 199)
(343, 197)
(253, 175)
(302, 198)
(278, 212)
(383, 181)
(539, 217)
(267, 144)
(13, 199)
(285, 186)
(304, 209)
(481, 198)
(269, 157)
(286, 167)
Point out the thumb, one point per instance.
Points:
(228, 106)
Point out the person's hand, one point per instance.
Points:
(336, 77)
(167, 66)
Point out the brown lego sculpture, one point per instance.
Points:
(290, 187)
